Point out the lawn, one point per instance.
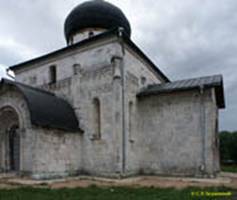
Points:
(229, 168)
(116, 193)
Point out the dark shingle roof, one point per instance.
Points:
(46, 109)
(215, 81)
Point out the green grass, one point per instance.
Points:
(116, 193)
(229, 168)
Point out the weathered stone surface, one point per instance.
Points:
(175, 133)
(172, 134)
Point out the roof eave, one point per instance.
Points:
(82, 43)
(114, 32)
(219, 92)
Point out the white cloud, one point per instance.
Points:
(23, 51)
(2, 71)
(187, 38)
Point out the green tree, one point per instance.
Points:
(228, 146)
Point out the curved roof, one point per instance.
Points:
(46, 109)
(95, 14)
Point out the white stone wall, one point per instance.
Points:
(136, 69)
(172, 134)
(176, 133)
(85, 34)
(44, 153)
(57, 153)
(167, 133)
(12, 98)
(98, 54)
(100, 156)
(95, 79)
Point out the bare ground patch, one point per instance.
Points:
(223, 180)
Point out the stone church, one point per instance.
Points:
(101, 107)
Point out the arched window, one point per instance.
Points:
(97, 118)
(52, 74)
(143, 80)
(76, 69)
(130, 120)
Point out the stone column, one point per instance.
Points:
(118, 112)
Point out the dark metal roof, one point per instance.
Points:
(95, 14)
(86, 42)
(215, 81)
(46, 109)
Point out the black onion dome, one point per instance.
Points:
(95, 14)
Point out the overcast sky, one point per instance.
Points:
(185, 38)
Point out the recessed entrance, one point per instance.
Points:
(14, 149)
(10, 140)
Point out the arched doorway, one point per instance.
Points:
(10, 140)
(14, 148)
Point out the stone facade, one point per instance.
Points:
(180, 134)
(170, 134)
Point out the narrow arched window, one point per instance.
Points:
(52, 74)
(143, 80)
(130, 120)
(76, 69)
(97, 118)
